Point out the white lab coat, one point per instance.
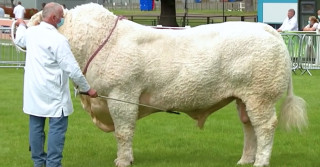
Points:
(289, 24)
(49, 64)
(19, 12)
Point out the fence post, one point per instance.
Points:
(158, 18)
(242, 18)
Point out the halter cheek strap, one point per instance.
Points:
(101, 46)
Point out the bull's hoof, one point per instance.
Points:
(243, 161)
(122, 163)
(260, 164)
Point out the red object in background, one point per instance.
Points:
(153, 4)
(29, 12)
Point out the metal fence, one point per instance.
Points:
(180, 5)
(190, 20)
(304, 49)
(135, 4)
(10, 56)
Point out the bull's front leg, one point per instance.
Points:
(124, 116)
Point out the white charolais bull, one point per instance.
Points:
(196, 71)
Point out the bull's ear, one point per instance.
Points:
(35, 19)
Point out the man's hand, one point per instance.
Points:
(20, 22)
(92, 93)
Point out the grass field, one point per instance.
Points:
(161, 140)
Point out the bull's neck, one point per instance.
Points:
(86, 46)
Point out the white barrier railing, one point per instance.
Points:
(10, 56)
(304, 50)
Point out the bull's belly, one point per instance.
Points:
(197, 108)
(184, 101)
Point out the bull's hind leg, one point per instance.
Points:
(264, 120)
(250, 139)
(124, 116)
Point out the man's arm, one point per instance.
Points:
(68, 64)
(282, 26)
(280, 29)
(20, 33)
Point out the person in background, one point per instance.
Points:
(46, 94)
(43, 5)
(290, 23)
(312, 24)
(1, 12)
(318, 15)
(19, 11)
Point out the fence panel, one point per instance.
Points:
(9, 55)
(310, 53)
(180, 5)
(304, 50)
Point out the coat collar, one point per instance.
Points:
(47, 25)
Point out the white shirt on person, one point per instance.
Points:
(289, 24)
(19, 12)
(49, 64)
(315, 26)
(1, 13)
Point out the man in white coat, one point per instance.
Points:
(290, 23)
(19, 11)
(49, 64)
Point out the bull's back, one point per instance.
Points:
(214, 62)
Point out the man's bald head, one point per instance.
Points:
(291, 13)
(52, 13)
(51, 8)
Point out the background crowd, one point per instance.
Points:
(291, 23)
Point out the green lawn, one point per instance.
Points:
(161, 140)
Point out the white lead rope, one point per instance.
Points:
(139, 104)
(144, 105)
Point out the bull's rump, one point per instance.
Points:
(201, 66)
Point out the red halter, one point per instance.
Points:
(100, 47)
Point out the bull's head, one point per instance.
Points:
(35, 19)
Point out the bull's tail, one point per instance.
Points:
(293, 113)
